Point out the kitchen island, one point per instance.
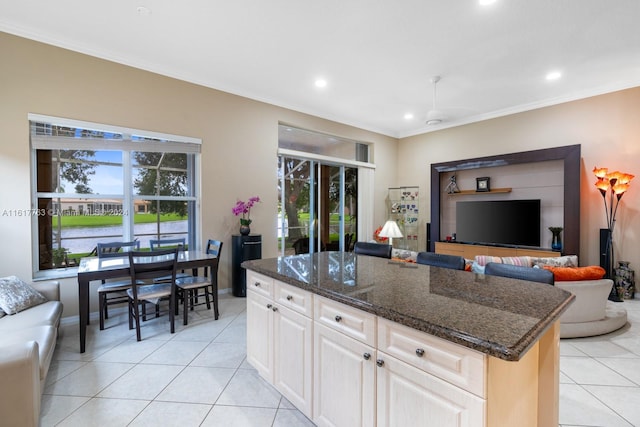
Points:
(358, 340)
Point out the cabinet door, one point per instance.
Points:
(260, 334)
(293, 344)
(407, 396)
(344, 380)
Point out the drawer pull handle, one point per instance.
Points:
(420, 352)
(366, 356)
(289, 297)
(256, 284)
(338, 318)
(269, 305)
(275, 309)
(380, 362)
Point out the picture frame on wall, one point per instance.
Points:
(482, 184)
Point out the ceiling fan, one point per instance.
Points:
(435, 116)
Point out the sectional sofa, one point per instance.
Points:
(591, 312)
(27, 342)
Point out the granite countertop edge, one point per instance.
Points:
(489, 348)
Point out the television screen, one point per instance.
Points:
(509, 222)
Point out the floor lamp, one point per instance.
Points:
(610, 184)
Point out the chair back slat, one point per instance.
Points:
(113, 249)
(146, 265)
(214, 247)
(157, 244)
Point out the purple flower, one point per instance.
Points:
(244, 208)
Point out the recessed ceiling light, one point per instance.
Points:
(408, 116)
(486, 2)
(143, 11)
(321, 83)
(554, 75)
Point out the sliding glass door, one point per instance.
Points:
(317, 205)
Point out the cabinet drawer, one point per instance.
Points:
(451, 362)
(294, 298)
(260, 284)
(350, 321)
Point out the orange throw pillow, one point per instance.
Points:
(565, 274)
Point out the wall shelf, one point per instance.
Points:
(493, 190)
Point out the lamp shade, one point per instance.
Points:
(391, 230)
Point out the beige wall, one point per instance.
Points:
(240, 136)
(607, 128)
(240, 139)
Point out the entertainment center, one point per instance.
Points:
(470, 251)
(550, 175)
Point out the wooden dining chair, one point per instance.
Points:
(113, 292)
(144, 268)
(189, 288)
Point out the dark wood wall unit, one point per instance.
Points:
(570, 154)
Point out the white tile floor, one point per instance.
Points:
(600, 376)
(199, 376)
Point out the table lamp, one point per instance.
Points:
(391, 230)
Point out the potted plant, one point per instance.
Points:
(58, 256)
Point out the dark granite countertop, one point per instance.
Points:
(497, 316)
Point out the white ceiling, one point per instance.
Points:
(377, 55)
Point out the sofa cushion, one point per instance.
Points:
(404, 255)
(560, 261)
(522, 261)
(563, 274)
(16, 295)
(45, 336)
(483, 260)
(47, 314)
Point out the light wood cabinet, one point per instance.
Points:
(342, 366)
(280, 339)
(407, 396)
(460, 366)
(470, 251)
(260, 334)
(344, 380)
(293, 358)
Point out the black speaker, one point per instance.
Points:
(428, 237)
(605, 251)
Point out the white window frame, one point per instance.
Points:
(169, 143)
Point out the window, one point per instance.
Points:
(97, 183)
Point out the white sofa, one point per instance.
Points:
(591, 312)
(28, 340)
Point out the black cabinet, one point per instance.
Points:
(243, 249)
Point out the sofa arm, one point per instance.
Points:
(51, 290)
(20, 395)
(591, 300)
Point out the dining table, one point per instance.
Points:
(94, 268)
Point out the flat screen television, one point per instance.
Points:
(508, 222)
